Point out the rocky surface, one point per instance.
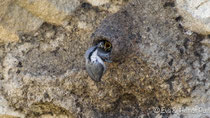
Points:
(14, 19)
(53, 11)
(196, 15)
(24, 16)
(156, 64)
(6, 111)
(97, 2)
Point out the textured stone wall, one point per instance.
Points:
(196, 15)
(161, 58)
(24, 16)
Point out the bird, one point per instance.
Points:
(95, 57)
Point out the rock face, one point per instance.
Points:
(52, 11)
(25, 16)
(16, 20)
(155, 65)
(196, 14)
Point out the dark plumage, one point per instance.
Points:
(95, 71)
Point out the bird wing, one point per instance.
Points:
(90, 50)
(105, 56)
(95, 71)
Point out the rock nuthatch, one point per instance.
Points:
(95, 57)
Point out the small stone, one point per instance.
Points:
(188, 32)
(114, 8)
(49, 34)
(206, 42)
(98, 2)
(84, 25)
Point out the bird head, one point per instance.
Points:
(104, 50)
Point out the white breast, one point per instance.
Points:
(95, 58)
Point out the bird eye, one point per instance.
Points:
(101, 45)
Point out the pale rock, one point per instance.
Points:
(84, 26)
(50, 34)
(52, 11)
(206, 42)
(55, 116)
(16, 20)
(98, 2)
(6, 111)
(4, 4)
(114, 8)
(7, 36)
(196, 14)
(20, 20)
(24, 16)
